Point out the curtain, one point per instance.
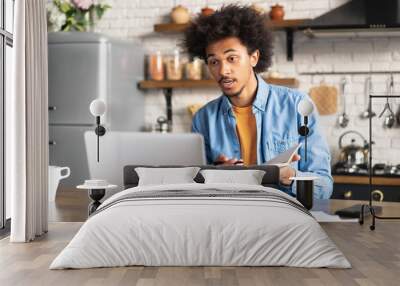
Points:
(27, 123)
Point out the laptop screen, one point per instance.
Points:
(118, 149)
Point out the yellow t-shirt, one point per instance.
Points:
(247, 132)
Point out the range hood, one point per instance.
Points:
(355, 18)
(359, 15)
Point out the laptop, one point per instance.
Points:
(118, 149)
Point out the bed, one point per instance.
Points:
(197, 224)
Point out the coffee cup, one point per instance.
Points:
(55, 175)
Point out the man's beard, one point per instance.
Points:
(236, 94)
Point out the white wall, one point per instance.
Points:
(134, 18)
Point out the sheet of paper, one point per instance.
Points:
(321, 216)
(284, 158)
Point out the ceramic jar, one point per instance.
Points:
(207, 11)
(277, 12)
(180, 15)
(259, 10)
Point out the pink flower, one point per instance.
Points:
(83, 4)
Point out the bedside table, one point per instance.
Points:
(96, 193)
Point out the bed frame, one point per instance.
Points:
(270, 179)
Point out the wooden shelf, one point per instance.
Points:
(151, 84)
(287, 25)
(170, 28)
(276, 25)
(364, 180)
(286, 81)
(206, 83)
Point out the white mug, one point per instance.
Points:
(55, 175)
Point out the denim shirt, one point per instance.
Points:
(277, 120)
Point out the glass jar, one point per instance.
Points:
(206, 72)
(155, 66)
(174, 66)
(194, 69)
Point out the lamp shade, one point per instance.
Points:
(97, 107)
(305, 107)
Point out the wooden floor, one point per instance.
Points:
(374, 255)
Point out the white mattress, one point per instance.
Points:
(191, 231)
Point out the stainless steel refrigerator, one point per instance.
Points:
(83, 67)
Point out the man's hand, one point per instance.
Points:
(224, 160)
(286, 172)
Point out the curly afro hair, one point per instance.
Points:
(242, 22)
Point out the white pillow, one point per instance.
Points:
(249, 177)
(163, 176)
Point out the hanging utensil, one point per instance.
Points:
(397, 112)
(398, 115)
(343, 119)
(367, 113)
(389, 119)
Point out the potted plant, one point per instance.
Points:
(74, 15)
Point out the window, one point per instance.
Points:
(9, 15)
(6, 44)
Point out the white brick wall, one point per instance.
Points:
(135, 19)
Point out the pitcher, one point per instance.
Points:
(55, 175)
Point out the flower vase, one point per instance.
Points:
(92, 20)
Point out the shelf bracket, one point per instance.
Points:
(289, 44)
(168, 101)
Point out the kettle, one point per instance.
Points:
(353, 154)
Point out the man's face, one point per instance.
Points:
(231, 65)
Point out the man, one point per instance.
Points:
(252, 121)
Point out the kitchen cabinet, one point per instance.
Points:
(348, 187)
